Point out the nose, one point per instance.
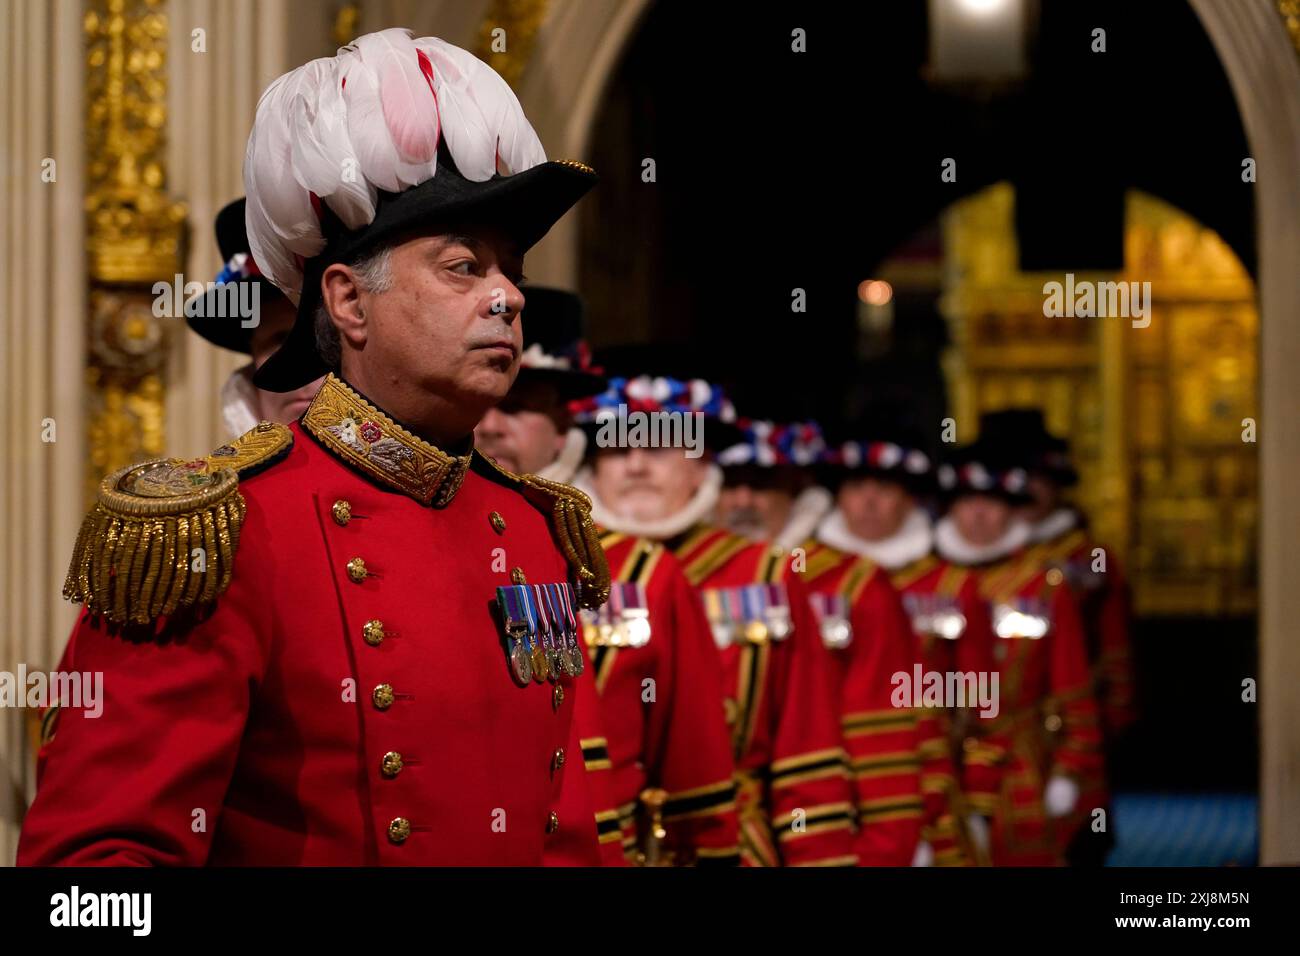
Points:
(505, 299)
(636, 461)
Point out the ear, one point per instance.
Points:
(341, 295)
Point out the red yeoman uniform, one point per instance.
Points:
(347, 700)
(660, 705)
(931, 590)
(781, 709)
(1104, 604)
(1048, 724)
(883, 741)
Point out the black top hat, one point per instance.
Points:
(1023, 435)
(987, 466)
(523, 207)
(203, 313)
(554, 349)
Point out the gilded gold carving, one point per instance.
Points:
(134, 231)
(1154, 415)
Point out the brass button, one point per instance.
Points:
(557, 760)
(1052, 723)
(552, 822)
(391, 765)
(730, 710)
(1055, 577)
(342, 512)
(373, 632)
(399, 830)
(498, 522)
(357, 570)
(382, 696)
(557, 697)
(517, 575)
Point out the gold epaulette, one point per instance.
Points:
(163, 533)
(575, 532)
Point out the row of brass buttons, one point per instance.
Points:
(399, 829)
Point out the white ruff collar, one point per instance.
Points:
(913, 540)
(697, 509)
(953, 547)
(1056, 524)
(239, 401)
(806, 510)
(567, 462)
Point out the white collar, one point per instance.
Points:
(805, 512)
(1056, 524)
(239, 401)
(913, 540)
(953, 547)
(568, 461)
(697, 509)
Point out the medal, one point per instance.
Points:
(516, 626)
(519, 663)
(547, 630)
(832, 614)
(567, 599)
(756, 631)
(536, 655)
(716, 609)
(836, 633)
(777, 612)
(561, 662)
(635, 614)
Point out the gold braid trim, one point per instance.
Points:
(134, 556)
(575, 531)
(578, 538)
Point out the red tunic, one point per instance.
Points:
(1104, 603)
(931, 586)
(1048, 723)
(259, 735)
(660, 703)
(882, 740)
(781, 709)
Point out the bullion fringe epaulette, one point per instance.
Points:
(576, 533)
(162, 534)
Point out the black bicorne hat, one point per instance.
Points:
(1023, 435)
(522, 206)
(554, 348)
(203, 312)
(987, 466)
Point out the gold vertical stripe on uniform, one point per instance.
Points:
(753, 674)
(856, 579)
(771, 569)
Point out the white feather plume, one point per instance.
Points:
(344, 127)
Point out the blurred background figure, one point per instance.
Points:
(243, 404)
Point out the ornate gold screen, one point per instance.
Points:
(1155, 415)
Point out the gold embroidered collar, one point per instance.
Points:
(375, 445)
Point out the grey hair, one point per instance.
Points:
(374, 273)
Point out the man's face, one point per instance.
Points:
(275, 319)
(441, 344)
(753, 511)
(874, 509)
(647, 484)
(981, 519)
(523, 433)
